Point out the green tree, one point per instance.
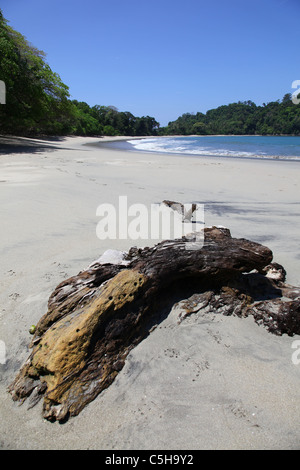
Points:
(199, 128)
(36, 98)
(109, 130)
(276, 117)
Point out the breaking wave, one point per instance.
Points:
(277, 147)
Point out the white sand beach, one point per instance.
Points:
(206, 383)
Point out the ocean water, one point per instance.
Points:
(266, 147)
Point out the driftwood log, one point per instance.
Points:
(95, 318)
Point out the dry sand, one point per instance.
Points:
(208, 383)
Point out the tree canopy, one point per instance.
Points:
(36, 98)
(38, 102)
(274, 118)
(107, 120)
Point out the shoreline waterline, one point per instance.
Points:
(224, 147)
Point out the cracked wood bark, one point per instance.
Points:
(95, 318)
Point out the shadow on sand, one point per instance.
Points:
(12, 144)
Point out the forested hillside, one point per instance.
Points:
(107, 120)
(38, 102)
(278, 117)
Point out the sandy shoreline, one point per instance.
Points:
(218, 383)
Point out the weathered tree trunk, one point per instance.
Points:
(95, 318)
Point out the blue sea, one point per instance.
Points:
(261, 147)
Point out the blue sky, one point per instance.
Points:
(163, 58)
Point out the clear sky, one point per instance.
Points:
(163, 58)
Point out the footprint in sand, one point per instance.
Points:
(14, 296)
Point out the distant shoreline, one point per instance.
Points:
(120, 143)
(19, 144)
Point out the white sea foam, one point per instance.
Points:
(153, 145)
(190, 147)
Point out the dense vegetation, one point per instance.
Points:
(36, 98)
(107, 120)
(38, 102)
(278, 117)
